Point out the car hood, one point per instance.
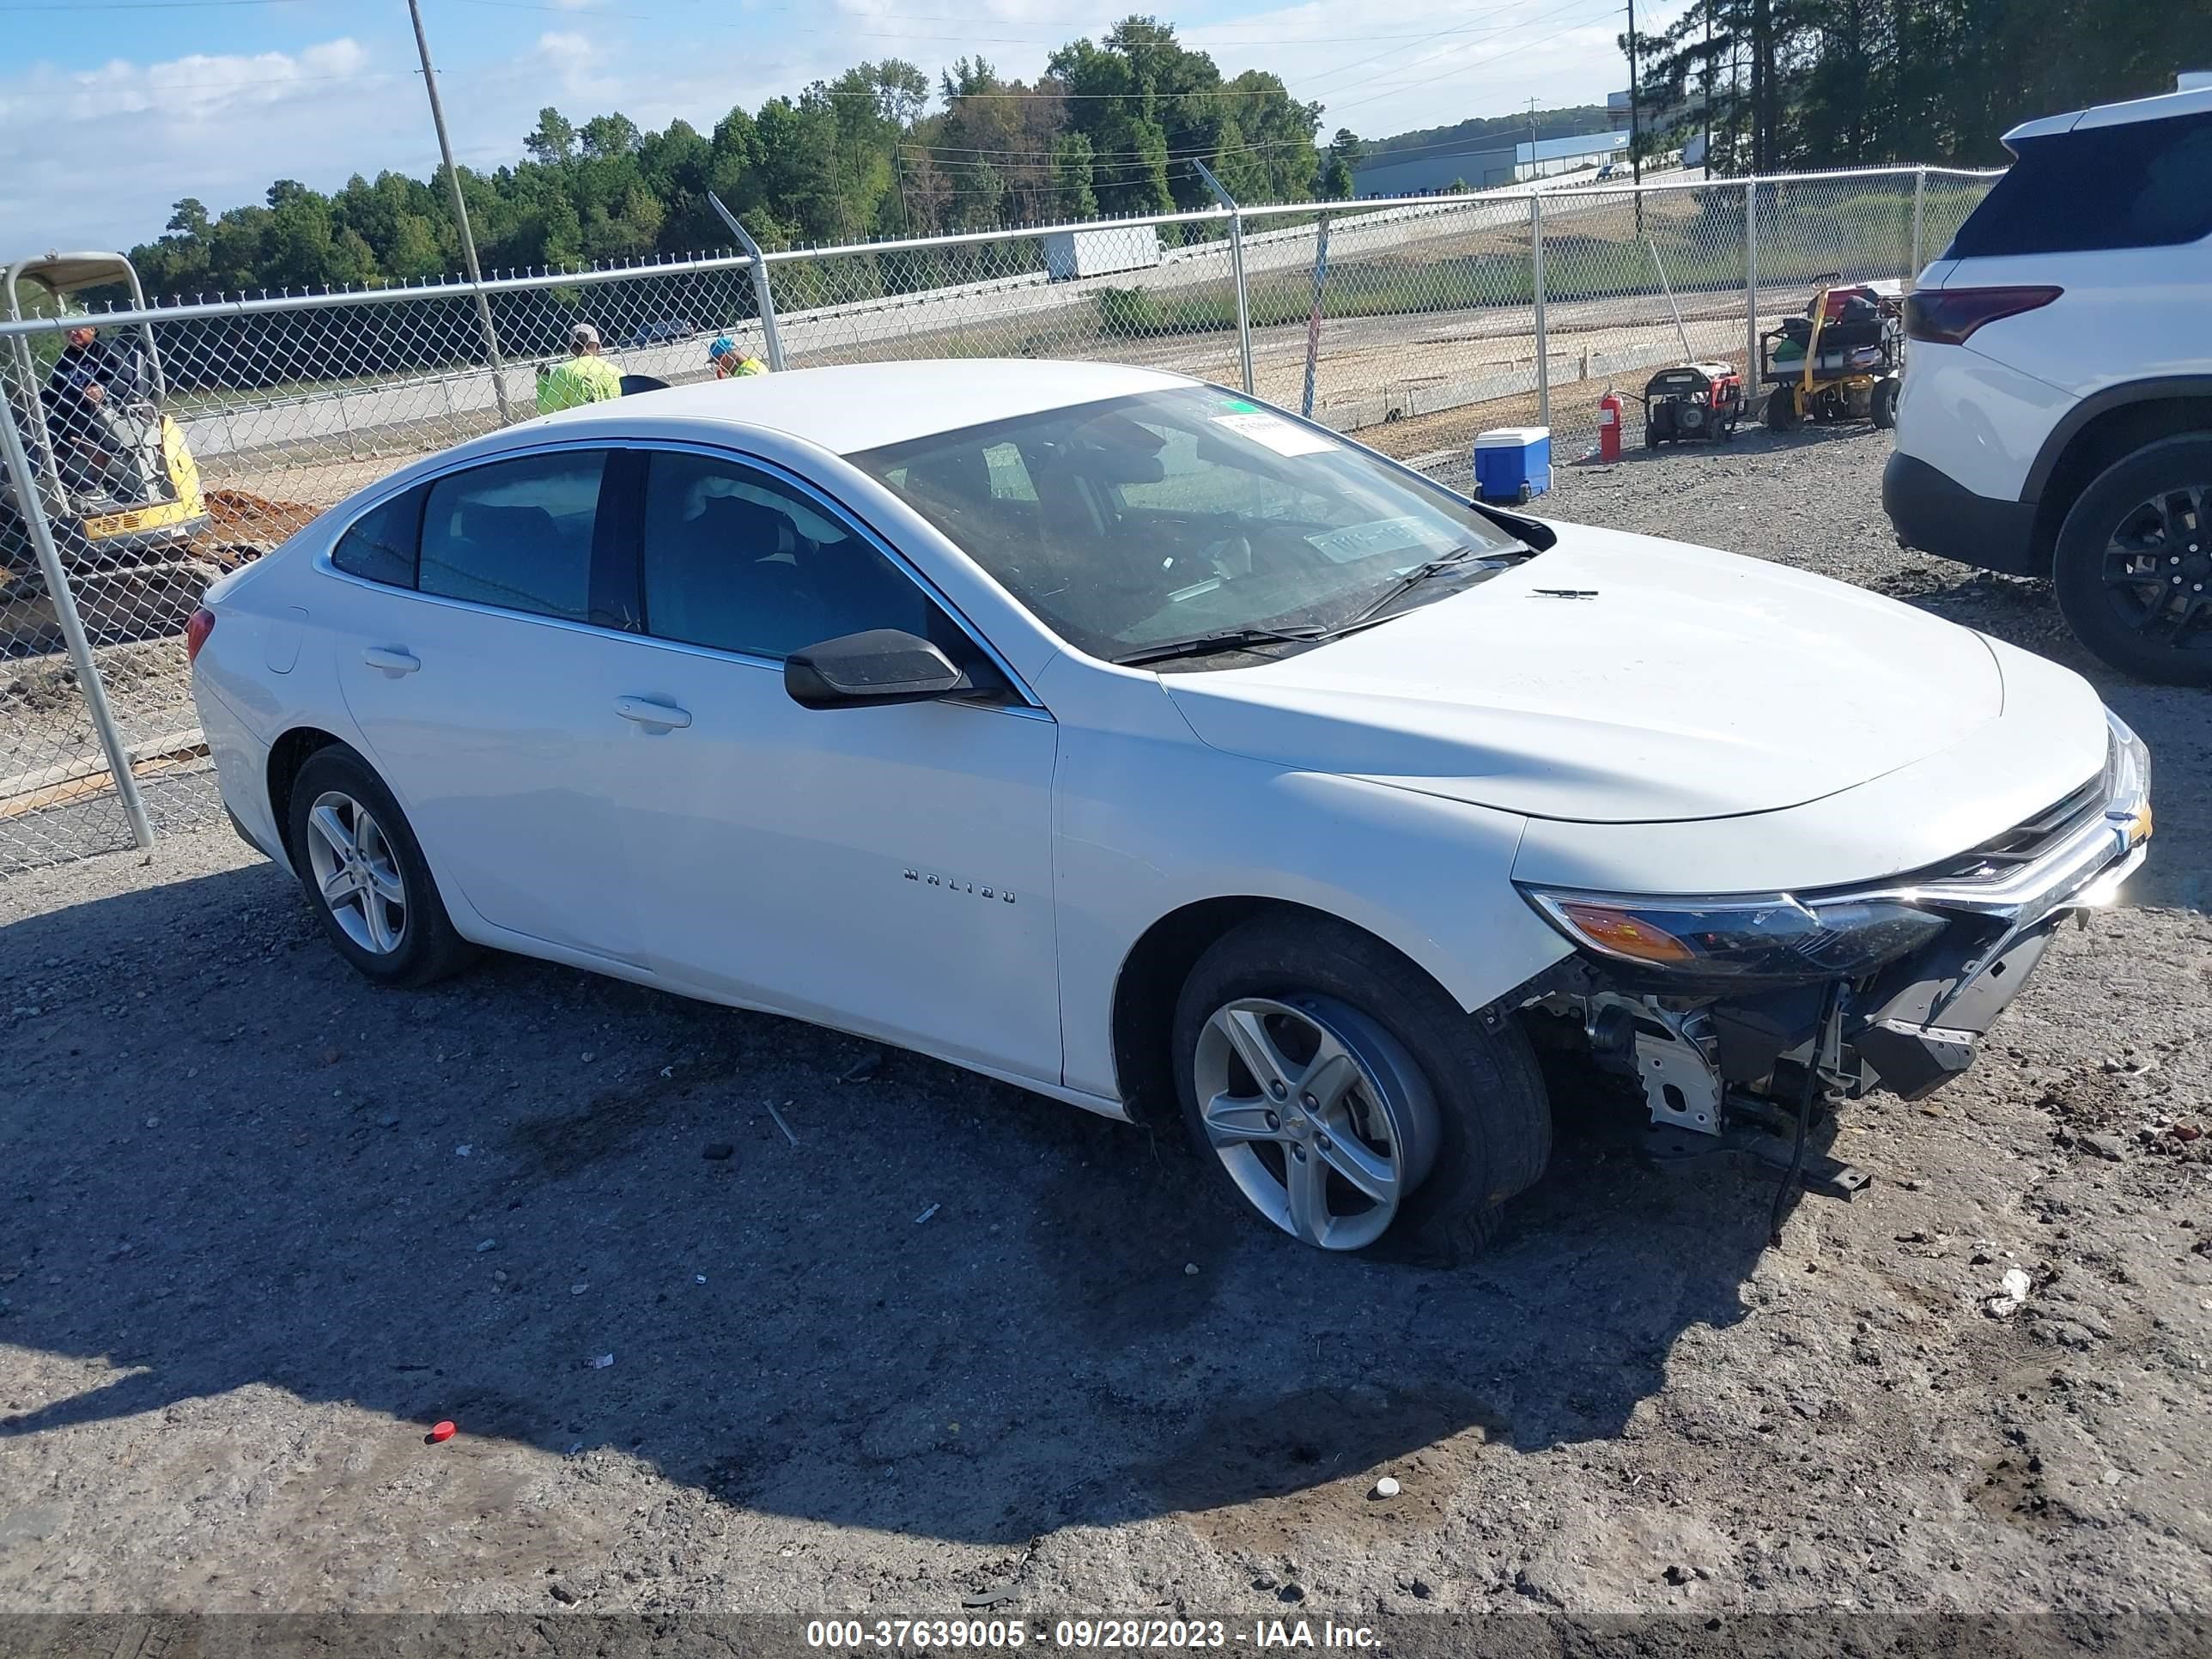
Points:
(1616, 680)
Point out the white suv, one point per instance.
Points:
(2056, 415)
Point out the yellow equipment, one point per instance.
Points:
(1849, 347)
(137, 505)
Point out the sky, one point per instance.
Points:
(112, 110)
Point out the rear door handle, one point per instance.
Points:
(646, 712)
(392, 659)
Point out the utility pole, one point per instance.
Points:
(1635, 101)
(1635, 104)
(1532, 139)
(461, 214)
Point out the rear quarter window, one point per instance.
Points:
(2147, 184)
(382, 543)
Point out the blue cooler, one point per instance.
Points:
(1512, 463)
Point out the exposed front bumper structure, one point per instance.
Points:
(1910, 1026)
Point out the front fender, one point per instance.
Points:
(1430, 877)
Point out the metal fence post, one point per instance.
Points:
(1313, 322)
(1235, 270)
(1919, 196)
(1536, 285)
(763, 296)
(1751, 283)
(32, 509)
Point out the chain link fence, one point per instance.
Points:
(222, 427)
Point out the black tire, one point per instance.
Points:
(1651, 435)
(1781, 410)
(1881, 403)
(2141, 627)
(1492, 1117)
(425, 947)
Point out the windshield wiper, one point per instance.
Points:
(1230, 639)
(1409, 580)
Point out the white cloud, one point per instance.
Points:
(97, 156)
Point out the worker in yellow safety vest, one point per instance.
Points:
(730, 363)
(585, 378)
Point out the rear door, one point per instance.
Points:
(482, 665)
(883, 869)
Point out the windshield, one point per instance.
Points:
(1177, 515)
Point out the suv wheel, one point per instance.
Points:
(2133, 565)
(1348, 1098)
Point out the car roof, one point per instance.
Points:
(858, 406)
(2162, 108)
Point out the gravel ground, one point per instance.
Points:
(945, 1340)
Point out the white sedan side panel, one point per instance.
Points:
(1150, 820)
(887, 870)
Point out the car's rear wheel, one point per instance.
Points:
(364, 873)
(1348, 1098)
(2133, 566)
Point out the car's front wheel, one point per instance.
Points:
(2133, 566)
(364, 873)
(1347, 1097)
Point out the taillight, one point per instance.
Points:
(1949, 316)
(197, 631)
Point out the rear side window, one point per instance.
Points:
(380, 547)
(516, 534)
(2147, 184)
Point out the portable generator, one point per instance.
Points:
(1693, 400)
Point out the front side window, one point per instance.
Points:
(1139, 521)
(2143, 183)
(736, 560)
(517, 534)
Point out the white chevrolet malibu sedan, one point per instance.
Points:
(1150, 748)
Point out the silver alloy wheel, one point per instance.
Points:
(356, 872)
(1321, 1117)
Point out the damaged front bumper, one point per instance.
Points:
(1710, 1053)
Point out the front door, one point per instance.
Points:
(882, 869)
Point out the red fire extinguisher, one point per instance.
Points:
(1608, 426)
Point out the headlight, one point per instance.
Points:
(1772, 939)
(2127, 792)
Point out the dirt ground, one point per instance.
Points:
(945, 1343)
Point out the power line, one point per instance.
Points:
(136, 5)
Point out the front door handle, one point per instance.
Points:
(663, 716)
(393, 659)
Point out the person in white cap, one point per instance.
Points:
(585, 378)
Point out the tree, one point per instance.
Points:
(553, 142)
(1339, 163)
(1072, 195)
(606, 137)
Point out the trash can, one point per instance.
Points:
(1513, 463)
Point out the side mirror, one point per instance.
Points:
(859, 670)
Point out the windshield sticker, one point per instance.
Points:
(1277, 433)
(1238, 405)
(1364, 541)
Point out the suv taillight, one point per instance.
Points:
(1949, 316)
(197, 631)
